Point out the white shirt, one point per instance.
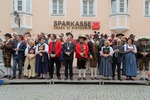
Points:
(132, 46)
(18, 46)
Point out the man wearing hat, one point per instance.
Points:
(132, 36)
(81, 55)
(119, 36)
(6, 47)
(68, 51)
(143, 58)
(94, 48)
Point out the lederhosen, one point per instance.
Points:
(94, 60)
(143, 61)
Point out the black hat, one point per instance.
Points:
(112, 35)
(143, 39)
(132, 35)
(69, 33)
(8, 34)
(119, 34)
(95, 32)
(96, 36)
(82, 36)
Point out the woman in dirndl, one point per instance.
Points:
(42, 60)
(106, 61)
(130, 67)
(29, 67)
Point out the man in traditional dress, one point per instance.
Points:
(6, 47)
(119, 36)
(117, 59)
(55, 48)
(68, 50)
(82, 55)
(143, 58)
(94, 48)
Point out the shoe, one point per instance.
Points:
(120, 79)
(127, 78)
(108, 79)
(41, 77)
(113, 78)
(104, 78)
(141, 78)
(5, 76)
(71, 78)
(13, 77)
(84, 78)
(29, 77)
(96, 78)
(131, 78)
(9, 76)
(146, 79)
(59, 78)
(65, 78)
(50, 77)
(19, 77)
(92, 78)
(79, 78)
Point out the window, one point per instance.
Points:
(113, 6)
(58, 7)
(19, 5)
(119, 6)
(88, 8)
(22, 5)
(147, 7)
(28, 7)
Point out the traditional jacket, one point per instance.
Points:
(94, 48)
(143, 48)
(80, 49)
(55, 48)
(7, 48)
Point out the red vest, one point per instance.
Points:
(57, 48)
(78, 50)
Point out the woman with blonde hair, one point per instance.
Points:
(29, 67)
(106, 60)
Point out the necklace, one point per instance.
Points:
(68, 45)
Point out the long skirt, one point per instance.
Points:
(105, 68)
(130, 64)
(29, 72)
(42, 64)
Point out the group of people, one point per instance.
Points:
(103, 55)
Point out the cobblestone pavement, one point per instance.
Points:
(74, 92)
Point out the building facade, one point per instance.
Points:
(78, 16)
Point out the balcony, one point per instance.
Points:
(25, 23)
(119, 22)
